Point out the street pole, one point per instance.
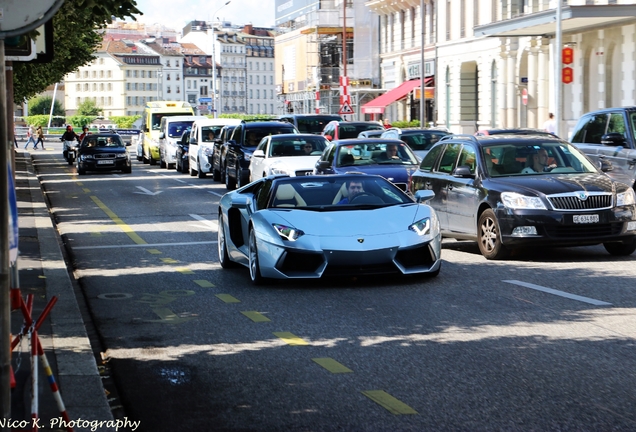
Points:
(558, 67)
(422, 68)
(214, 109)
(52, 106)
(5, 309)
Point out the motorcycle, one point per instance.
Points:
(70, 151)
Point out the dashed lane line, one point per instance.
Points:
(331, 365)
(256, 316)
(290, 338)
(559, 293)
(392, 404)
(204, 283)
(227, 298)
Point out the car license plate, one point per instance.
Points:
(105, 162)
(593, 218)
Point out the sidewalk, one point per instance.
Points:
(43, 272)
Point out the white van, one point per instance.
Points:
(170, 131)
(202, 143)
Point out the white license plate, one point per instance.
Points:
(593, 218)
(105, 162)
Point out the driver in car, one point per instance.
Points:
(354, 187)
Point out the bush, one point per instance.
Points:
(124, 122)
(406, 124)
(77, 121)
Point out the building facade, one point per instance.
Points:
(259, 58)
(197, 74)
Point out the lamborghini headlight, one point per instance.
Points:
(287, 232)
(513, 200)
(421, 227)
(626, 198)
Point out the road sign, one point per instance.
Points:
(524, 96)
(345, 109)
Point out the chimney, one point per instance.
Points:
(248, 28)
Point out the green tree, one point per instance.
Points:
(89, 108)
(42, 105)
(124, 122)
(75, 39)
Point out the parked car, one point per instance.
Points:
(418, 139)
(369, 156)
(310, 123)
(513, 131)
(488, 189)
(290, 154)
(182, 157)
(242, 144)
(203, 137)
(103, 152)
(375, 133)
(294, 227)
(608, 138)
(337, 130)
(219, 153)
(170, 131)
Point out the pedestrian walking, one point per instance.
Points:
(15, 136)
(550, 124)
(40, 133)
(30, 137)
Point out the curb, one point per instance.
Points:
(78, 376)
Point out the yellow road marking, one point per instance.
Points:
(185, 270)
(290, 338)
(331, 365)
(255, 316)
(154, 251)
(87, 190)
(169, 260)
(120, 223)
(393, 405)
(79, 183)
(228, 298)
(203, 283)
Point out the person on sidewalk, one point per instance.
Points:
(40, 133)
(15, 136)
(30, 137)
(550, 124)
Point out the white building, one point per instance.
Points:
(170, 77)
(259, 52)
(120, 80)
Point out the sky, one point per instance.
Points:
(177, 13)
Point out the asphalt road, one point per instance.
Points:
(543, 341)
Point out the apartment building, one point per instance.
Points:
(259, 53)
(197, 74)
(170, 78)
(120, 80)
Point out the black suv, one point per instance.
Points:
(310, 123)
(242, 144)
(220, 150)
(607, 137)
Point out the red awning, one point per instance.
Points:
(377, 105)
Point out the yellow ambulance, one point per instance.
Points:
(151, 122)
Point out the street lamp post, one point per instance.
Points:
(214, 110)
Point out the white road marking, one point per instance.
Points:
(559, 293)
(145, 191)
(216, 193)
(209, 224)
(149, 245)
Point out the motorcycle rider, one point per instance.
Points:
(69, 135)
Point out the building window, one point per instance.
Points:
(109, 74)
(258, 94)
(85, 74)
(85, 87)
(101, 73)
(251, 94)
(168, 90)
(78, 87)
(189, 84)
(77, 101)
(168, 77)
(109, 101)
(101, 87)
(176, 63)
(110, 87)
(178, 89)
(168, 63)
(258, 79)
